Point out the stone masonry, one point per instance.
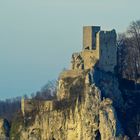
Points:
(99, 47)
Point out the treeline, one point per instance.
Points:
(9, 107)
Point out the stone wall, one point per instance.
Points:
(106, 42)
(85, 59)
(30, 105)
(27, 106)
(102, 45)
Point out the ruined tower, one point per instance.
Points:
(106, 42)
(89, 37)
(103, 46)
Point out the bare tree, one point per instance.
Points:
(134, 33)
(129, 52)
(47, 92)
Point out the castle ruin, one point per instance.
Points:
(99, 47)
(86, 93)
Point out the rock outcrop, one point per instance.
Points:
(79, 113)
(4, 129)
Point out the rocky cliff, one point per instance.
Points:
(83, 110)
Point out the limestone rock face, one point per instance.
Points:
(3, 129)
(79, 113)
(77, 61)
(2, 133)
(109, 127)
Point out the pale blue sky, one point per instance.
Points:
(37, 37)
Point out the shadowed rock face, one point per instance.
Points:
(108, 84)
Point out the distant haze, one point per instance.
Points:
(37, 37)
